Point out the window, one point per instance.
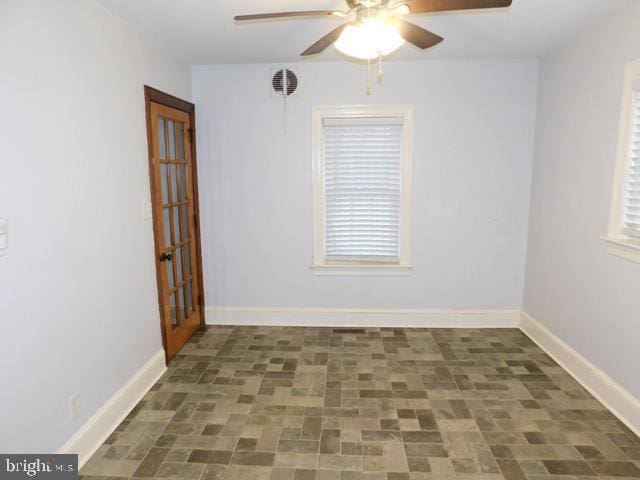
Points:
(361, 184)
(631, 216)
(624, 227)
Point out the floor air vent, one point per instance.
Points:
(349, 330)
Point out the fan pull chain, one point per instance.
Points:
(285, 114)
(368, 63)
(380, 72)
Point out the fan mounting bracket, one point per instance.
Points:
(355, 4)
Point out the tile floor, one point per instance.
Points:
(284, 403)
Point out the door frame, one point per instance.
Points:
(156, 96)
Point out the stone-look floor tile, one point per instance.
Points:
(425, 450)
(106, 467)
(224, 443)
(117, 452)
(395, 457)
(303, 474)
(389, 424)
(282, 473)
(441, 466)
(177, 455)
(589, 452)
(298, 446)
(373, 464)
(235, 472)
(422, 437)
(464, 465)
(311, 428)
(632, 453)
(615, 469)
(212, 429)
(268, 441)
(568, 467)
(178, 471)
(339, 462)
(247, 444)
(511, 470)
(151, 462)
(307, 460)
(213, 472)
(330, 442)
(398, 476)
(328, 475)
(350, 448)
(533, 467)
(418, 464)
(291, 403)
(220, 457)
(165, 441)
(253, 458)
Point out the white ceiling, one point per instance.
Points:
(204, 32)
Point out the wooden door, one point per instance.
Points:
(176, 229)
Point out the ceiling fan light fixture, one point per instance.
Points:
(369, 39)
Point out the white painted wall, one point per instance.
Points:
(78, 302)
(474, 124)
(588, 298)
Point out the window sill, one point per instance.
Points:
(362, 270)
(623, 248)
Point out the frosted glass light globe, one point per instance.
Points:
(369, 39)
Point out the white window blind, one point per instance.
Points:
(631, 214)
(362, 188)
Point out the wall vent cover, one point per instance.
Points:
(284, 82)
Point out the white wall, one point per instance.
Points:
(586, 297)
(474, 124)
(78, 302)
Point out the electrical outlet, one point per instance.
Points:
(74, 406)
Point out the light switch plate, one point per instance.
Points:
(146, 210)
(4, 234)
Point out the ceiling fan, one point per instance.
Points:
(378, 28)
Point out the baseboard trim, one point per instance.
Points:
(343, 317)
(608, 392)
(98, 428)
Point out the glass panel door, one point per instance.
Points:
(174, 216)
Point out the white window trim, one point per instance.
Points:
(619, 244)
(320, 265)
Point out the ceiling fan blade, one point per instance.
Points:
(264, 16)
(325, 41)
(416, 35)
(425, 6)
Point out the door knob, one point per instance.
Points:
(165, 257)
